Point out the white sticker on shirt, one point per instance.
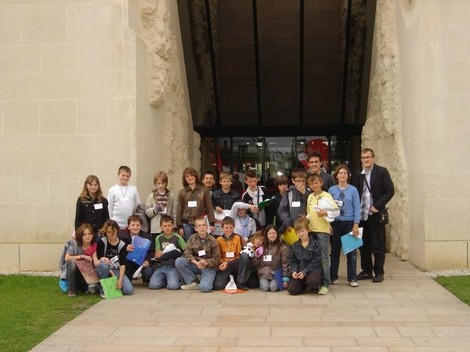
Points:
(98, 206)
(192, 204)
(230, 254)
(296, 204)
(267, 258)
(201, 253)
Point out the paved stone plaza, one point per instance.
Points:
(408, 312)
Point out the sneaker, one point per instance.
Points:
(242, 287)
(378, 278)
(353, 283)
(102, 295)
(335, 281)
(192, 286)
(364, 276)
(71, 294)
(323, 290)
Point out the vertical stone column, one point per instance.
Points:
(382, 131)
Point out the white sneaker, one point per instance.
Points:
(192, 286)
(353, 283)
(323, 290)
(335, 282)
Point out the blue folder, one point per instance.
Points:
(141, 248)
(350, 243)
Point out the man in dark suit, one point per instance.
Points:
(375, 190)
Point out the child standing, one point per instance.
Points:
(92, 206)
(161, 201)
(321, 210)
(275, 257)
(194, 201)
(123, 198)
(166, 273)
(111, 255)
(305, 260)
(255, 194)
(223, 200)
(201, 257)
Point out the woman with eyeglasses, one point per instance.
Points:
(347, 199)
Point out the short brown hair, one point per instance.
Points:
(228, 221)
(125, 169)
(299, 173)
(315, 154)
(251, 174)
(134, 218)
(160, 175)
(81, 230)
(313, 177)
(301, 224)
(166, 218)
(225, 175)
(190, 171)
(338, 169)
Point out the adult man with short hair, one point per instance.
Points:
(375, 190)
(315, 163)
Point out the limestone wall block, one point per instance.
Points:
(59, 57)
(100, 56)
(10, 27)
(46, 153)
(121, 115)
(58, 117)
(49, 85)
(15, 86)
(94, 21)
(40, 256)
(17, 223)
(43, 23)
(101, 84)
(35, 190)
(78, 154)
(63, 189)
(20, 58)
(446, 255)
(9, 257)
(21, 118)
(92, 116)
(9, 190)
(12, 149)
(114, 150)
(50, 223)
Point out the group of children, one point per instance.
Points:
(202, 236)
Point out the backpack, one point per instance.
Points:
(63, 283)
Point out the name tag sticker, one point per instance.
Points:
(296, 204)
(98, 206)
(230, 254)
(267, 258)
(340, 203)
(201, 253)
(192, 204)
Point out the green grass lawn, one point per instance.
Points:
(33, 307)
(458, 285)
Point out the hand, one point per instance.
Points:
(301, 275)
(130, 247)
(373, 209)
(285, 285)
(105, 260)
(146, 264)
(321, 213)
(158, 254)
(88, 258)
(223, 266)
(181, 232)
(355, 230)
(212, 229)
(295, 275)
(254, 209)
(219, 209)
(119, 283)
(199, 265)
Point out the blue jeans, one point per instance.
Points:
(165, 276)
(188, 231)
(341, 228)
(268, 285)
(188, 272)
(323, 239)
(103, 272)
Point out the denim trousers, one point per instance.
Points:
(188, 231)
(266, 285)
(188, 272)
(165, 276)
(323, 239)
(103, 272)
(341, 228)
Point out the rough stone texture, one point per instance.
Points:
(166, 90)
(382, 131)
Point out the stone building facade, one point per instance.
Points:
(86, 86)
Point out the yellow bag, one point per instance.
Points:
(289, 236)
